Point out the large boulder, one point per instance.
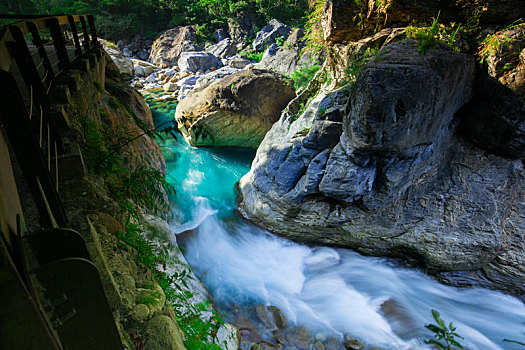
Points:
(378, 167)
(236, 110)
(171, 43)
(348, 20)
(269, 33)
(198, 62)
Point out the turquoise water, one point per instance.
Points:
(332, 291)
(203, 178)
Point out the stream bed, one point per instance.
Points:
(325, 293)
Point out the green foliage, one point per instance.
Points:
(313, 28)
(358, 61)
(138, 187)
(493, 43)
(254, 56)
(302, 77)
(133, 187)
(430, 37)
(99, 86)
(118, 19)
(445, 337)
(280, 40)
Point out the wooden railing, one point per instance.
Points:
(58, 299)
(37, 51)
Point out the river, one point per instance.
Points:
(332, 292)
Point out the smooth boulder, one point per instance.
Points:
(198, 62)
(236, 110)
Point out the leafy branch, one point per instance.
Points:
(445, 336)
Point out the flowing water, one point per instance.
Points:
(330, 291)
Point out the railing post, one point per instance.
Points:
(87, 47)
(26, 66)
(59, 43)
(78, 49)
(94, 39)
(50, 75)
(14, 118)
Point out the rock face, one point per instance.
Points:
(236, 110)
(170, 44)
(287, 58)
(198, 61)
(379, 168)
(241, 27)
(269, 33)
(495, 118)
(348, 20)
(123, 63)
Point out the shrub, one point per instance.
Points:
(429, 37)
(254, 56)
(302, 77)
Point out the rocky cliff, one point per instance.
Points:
(379, 165)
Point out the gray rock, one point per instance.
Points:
(139, 71)
(207, 79)
(228, 337)
(399, 180)
(198, 61)
(220, 34)
(148, 70)
(122, 62)
(271, 51)
(143, 55)
(269, 33)
(224, 48)
(287, 59)
(271, 316)
(151, 78)
(170, 72)
(238, 62)
(127, 52)
(163, 334)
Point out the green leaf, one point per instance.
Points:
(455, 343)
(438, 319)
(433, 342)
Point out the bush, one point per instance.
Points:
(254, 56)
(302, 77)
(429, 37)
